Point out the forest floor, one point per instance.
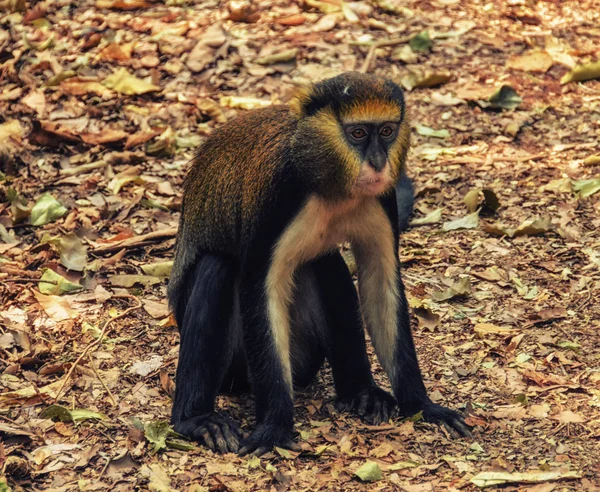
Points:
(101, 105)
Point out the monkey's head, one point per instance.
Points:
(352, 136)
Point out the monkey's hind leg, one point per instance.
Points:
(346, 346)
(205, 354)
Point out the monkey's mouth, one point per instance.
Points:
(372, 184)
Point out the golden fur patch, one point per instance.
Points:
(371, 111)
(320, 227)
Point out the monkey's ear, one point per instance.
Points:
(302, 93)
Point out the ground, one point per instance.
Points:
(101, 105)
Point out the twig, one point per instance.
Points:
(27, 280)
(98, 341)
(366, 66)
(134, 242)
(84, 168)
(114, 401)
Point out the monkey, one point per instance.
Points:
(259, 290)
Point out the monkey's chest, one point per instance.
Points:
(319, 228)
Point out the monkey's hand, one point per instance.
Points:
(216, 432)
(452, 421)
(372, 404)
(264, 437)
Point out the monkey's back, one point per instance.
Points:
(232, 175)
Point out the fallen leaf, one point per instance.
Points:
(568, 417)
(116, 52)
(73, 253)
(279, 57)
(156, 433)
(156, 309)
(160, 269)
(533, 61)
(481, 198)
(125, 83)
(421, 43)
(422, 80)
(143, 368)
(483, 329)
(369, 472)
(55, 284)
(430, 218)
(580, 73)
(427, 319)
(430, 132)
(58, 308)
(11, 128)
(592, 160)
(382, 450)
(505, 98)
(461, 287)
(248, 103)
(77, 87)
(470, 221)
(46, 209)
(490, 479)
(158, 479)
(131, 280)
(587, 187)
(121, 4)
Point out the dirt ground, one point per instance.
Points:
(101, 105)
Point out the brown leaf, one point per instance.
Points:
(104, 137)
(51, 134)
(533, 61)
(569, 417)
(57, 307)
(140, 138)
(167, 383)
(116, 52)
(122, 4)
(77, 87)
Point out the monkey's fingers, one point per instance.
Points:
(204, 436)
(219, 439)
(450, 419)
(459, 427)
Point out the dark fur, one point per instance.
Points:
(246, 185)
(405, 199)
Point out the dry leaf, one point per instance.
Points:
(533, 61)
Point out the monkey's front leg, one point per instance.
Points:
(407, 381)
(266, 339)
(386, 315)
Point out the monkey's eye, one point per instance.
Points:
(387, 131)
(358, 133)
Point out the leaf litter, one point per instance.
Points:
(102, 105)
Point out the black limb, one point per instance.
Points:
(407, 380)
(346, 345)
(205, 354)
(405, 200)
(273, 395)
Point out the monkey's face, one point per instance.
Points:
(352, 136)
(372, 142)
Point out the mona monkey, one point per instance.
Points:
(259, 289)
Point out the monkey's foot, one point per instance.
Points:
(452, 421)
(373, 405)
(216, 432)
(263, 439)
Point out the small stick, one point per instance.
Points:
(98, 341)
(114, 401)
(84, 168)
(366, 66)
(134, 242)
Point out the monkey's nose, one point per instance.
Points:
(378, 162)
